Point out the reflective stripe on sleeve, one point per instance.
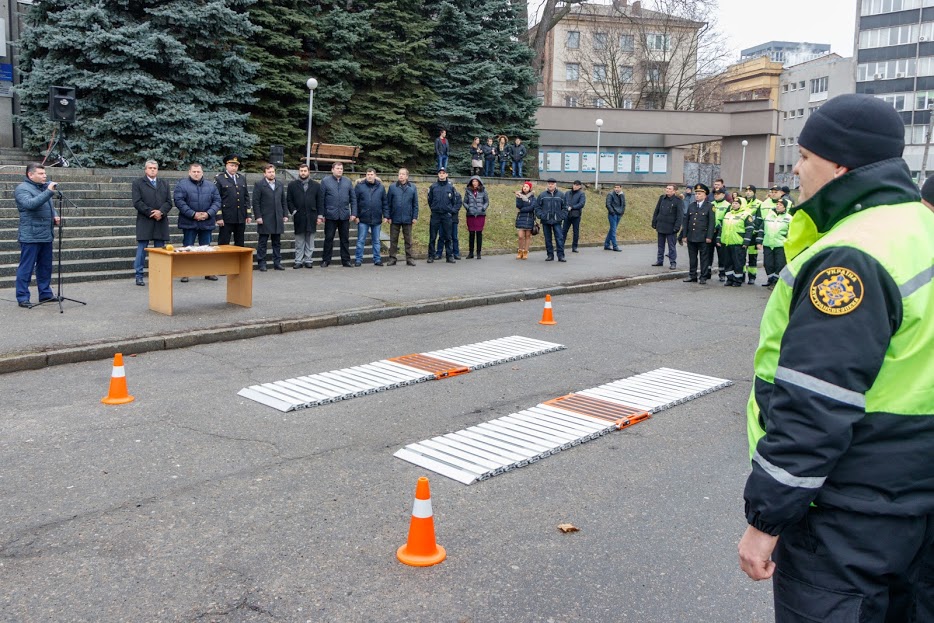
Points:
(917, 282)
(823, 388)
(787, 277)
(782, 476)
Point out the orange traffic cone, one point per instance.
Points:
(547, 315)
(118, 394)
(421, 550)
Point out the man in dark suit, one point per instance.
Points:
(152, 202)
(234, 215)
(304, 202)
(269, 208)
(698, 228)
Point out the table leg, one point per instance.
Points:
(160, 283)
(240, 286)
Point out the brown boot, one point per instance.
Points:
(519, 254)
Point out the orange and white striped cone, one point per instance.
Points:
(547, 314)
(118, 394)
(421, 550)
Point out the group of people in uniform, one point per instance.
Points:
(735, 228)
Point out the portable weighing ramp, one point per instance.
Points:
(326, 387)
(497, 446)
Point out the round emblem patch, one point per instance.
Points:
(836, 291)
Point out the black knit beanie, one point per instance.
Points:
(854, 130)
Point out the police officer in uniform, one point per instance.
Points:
(234, 215)
(840, 500)
(699, 226)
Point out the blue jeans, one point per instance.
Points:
(141, 253)
(502, 168)
(34, 256)
(442, 162)
(373, 230)
(189, 235)
(517, 168)
(553, 229)
(610, 241)
(455, 242)
(489, 165)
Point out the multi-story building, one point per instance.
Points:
(786, 52)
(895, 62)
(620, 56)
(804, 87)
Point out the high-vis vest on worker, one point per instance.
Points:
(736, 227)
(720, 208)
(842, 409)
(775, 229)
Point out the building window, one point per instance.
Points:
(812, 110)
(574, 39)
(653, 75)
(801, 84)
(784, 88)
(781, 143)
(570, 101)
(874, 7)
(599, 102)
(800, 112)
(572, 72)
(655, 41)
(625, 74)
(627, 104)
(785, 115)
(901, 101)
(889, 70)
(881, 37)
(627, 43)
(599, 73)
(819, 85)
(599, 40)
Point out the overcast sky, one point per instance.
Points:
(746, 23)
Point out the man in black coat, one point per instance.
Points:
(303, 198)
(698, 228)
(234, 215)
(270, 212)
(152, 202)
(666, 221)
(576, 199)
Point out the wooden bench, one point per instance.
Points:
(326, 152)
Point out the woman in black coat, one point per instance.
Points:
(525, 219)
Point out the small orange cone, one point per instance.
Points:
(547, 314)
(118, 394)
(421, 550)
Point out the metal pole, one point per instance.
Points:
(927, 146)
(596, 181)
(742, 165)
(312, 84)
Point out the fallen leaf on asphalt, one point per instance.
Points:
(567, 527)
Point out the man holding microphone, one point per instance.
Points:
(37, 219)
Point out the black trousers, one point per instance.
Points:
(478, 236)
(668, 239)
(237, 229)
(343, 230)
(439, 230)
(774, 261)
(735, 256)
(575, 222)
(276, 249)
(712, 250)
(698, 251)
(835, 566)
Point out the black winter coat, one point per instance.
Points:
(616, 204)
(700, 223)
(192, 197)
(443, 198)
(576, 199)
(269, 205)
(667, 216)
(526, 207)
(304, 205)
(235, 200)
(550, 208)
(518, 152)
(145, 200)
(371, 202)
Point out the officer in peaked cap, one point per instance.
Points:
(234, 215)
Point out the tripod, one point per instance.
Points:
(61, 231)
(61, 145)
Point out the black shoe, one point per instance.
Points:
(410, 263)
(296, 266)
(561, 259)
(377, 263)
(325, 264)
(185, 279)
(357, 264)
(752, 282)
(140, 282)
(737, 284)
(51, 298)
(438, 256)
(309, 265)
(721, 278)
(673, 267)
(617, 249)
(431, 259)
(607, 249)
(25, 304)
(690, 280)
(766, 284)
(702, 281)
(346, 264)
(657, 264)
(450, 260)
(262, 268)
(391, 263)
(574, 251)
(550, 258)
(470, 256)
(456, 256)
(728, 284)
(479, 257)
(274, 267)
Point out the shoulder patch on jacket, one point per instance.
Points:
(836, 291)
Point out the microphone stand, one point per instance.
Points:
(61, 230)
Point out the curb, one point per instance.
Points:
(95, 351)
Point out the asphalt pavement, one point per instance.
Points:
(194, 504)
(117, 318)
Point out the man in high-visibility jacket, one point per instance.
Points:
(774, 198)
(774, 233)
(753, 205)
(736, 234)
(840, 500)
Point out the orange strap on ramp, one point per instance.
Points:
(439, 367)
(621, 415)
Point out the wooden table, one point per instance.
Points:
(235, 262)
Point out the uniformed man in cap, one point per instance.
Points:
(720, 207)
(698, 228)
(774, 198)
(234, 215)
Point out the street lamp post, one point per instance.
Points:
(927, 145)
(596, 180)
(742, 166)
(312, 84)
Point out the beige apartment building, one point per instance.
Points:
(620, 56)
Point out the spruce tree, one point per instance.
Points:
(485, 81)
(162, 79)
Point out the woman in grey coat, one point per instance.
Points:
(476, 201)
